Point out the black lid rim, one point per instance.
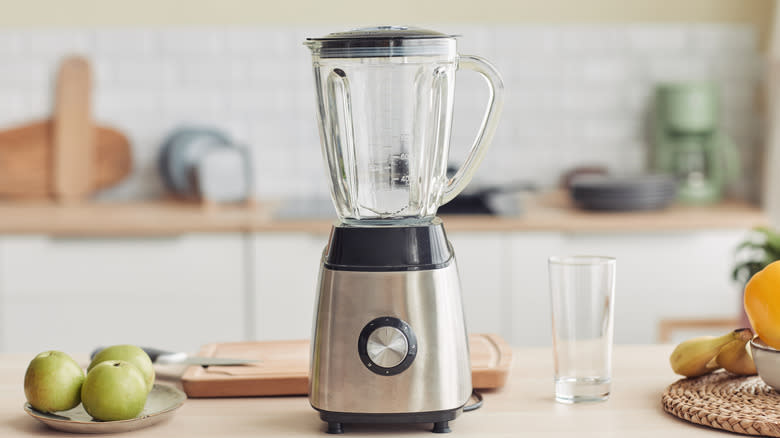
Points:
(383, 32)
(429, 267)
(385, 38)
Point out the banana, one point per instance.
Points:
(736, 357)
(696, 357)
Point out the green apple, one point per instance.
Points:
(127, 353)
(53, 382)
(114, 390)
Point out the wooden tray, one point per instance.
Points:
(284, 368)
(720, 400)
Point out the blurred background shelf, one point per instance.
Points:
(551, 211)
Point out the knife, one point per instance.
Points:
(162, 357)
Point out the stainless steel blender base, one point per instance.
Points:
(412, 365)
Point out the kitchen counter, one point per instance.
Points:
(543, 212)
(524, 407)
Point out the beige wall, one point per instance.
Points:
(356, 12)
(185, 12)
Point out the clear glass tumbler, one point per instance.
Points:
(582, 292)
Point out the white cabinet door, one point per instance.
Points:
(286, 267)
(483, 265)
(684, 275)
(74, 294)
(528, 287)
(660, 275)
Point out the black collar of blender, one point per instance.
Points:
(432, 267)
(388, 248)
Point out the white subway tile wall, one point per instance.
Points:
(575, 94)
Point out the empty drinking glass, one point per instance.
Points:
(582, 291)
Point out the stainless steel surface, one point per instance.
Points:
(185, 359)
(387, 346)
(164, 357)
(430, 302)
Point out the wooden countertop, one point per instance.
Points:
(524, 407)
(545, 212)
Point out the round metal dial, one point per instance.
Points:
(387, 346)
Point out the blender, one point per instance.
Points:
(389, 339)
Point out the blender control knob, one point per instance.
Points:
(387, 346)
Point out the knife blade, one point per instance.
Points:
(163, 357)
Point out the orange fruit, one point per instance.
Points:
(762, 304)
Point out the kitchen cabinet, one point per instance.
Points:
(181, 291)
(482, 266)
(660, 275)
(285, 269)
(74, 294)
(529, 305)
(682, 274)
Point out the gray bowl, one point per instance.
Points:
(767, 360)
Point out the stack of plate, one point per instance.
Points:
(613, 193)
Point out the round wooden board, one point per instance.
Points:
(720, 400)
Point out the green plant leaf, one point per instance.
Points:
(752, 245)
(772, 237)
(760, 248)
(743, 272)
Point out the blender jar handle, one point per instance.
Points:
(341, 163)
(486, 130)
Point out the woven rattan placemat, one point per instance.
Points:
(722, 401)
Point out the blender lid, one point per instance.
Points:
(381, 41)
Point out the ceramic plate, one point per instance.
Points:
(161, 403)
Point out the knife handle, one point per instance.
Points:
(153, 353)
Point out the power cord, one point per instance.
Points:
(477, 404)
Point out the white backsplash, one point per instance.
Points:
(575, 94)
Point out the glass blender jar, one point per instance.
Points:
(390, 343)
(385, 104)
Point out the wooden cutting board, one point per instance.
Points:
(67, 156)
(283, 368)
(27, 160)
(74, 133)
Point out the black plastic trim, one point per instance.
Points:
(388, 268)
(387, 321)
(390, 418)
(388, 248)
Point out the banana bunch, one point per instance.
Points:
(702, 355)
